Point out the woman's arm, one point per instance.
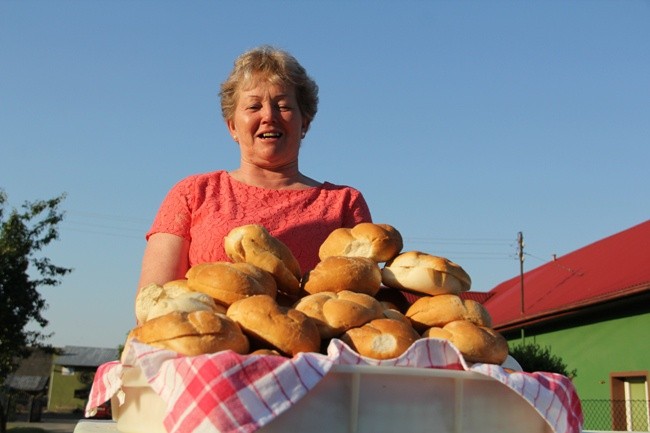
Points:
(165, 259)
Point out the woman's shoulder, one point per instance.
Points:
(343, 189)
(204, 178)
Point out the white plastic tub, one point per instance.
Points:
(368, 399)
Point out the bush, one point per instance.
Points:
(532, 357)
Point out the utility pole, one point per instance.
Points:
(520, 243)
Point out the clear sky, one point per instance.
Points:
(462, 122)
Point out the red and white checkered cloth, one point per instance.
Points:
(227, 392)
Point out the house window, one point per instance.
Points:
(630, 404)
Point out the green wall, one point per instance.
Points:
(595, 349)
(64, 387)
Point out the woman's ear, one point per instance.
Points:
(231, 128)
(305, 127)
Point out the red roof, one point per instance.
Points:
(611, 268)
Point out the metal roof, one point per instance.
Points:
(612, 268)
(76, 356)
(27, 383)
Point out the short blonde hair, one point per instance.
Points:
(276, 66)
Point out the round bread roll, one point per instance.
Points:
(379, 242)
(335, 313)
(193, 333)
(228, 282)
(381, 338)
(285, 329)
(153, 300)
(475, 343)
(430, 311)
(254, 244)
(419, 272)
(338, 273)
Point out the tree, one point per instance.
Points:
(533, 357)
(24, 233)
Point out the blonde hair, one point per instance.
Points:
(276, 66)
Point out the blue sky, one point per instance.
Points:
(463, 123)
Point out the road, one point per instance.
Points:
(51, 423)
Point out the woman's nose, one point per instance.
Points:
(268, 112)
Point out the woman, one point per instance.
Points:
(268, 103)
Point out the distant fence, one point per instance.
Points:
(616, 415)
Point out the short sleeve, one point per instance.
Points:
(175, 214)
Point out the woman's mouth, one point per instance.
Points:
(270, 135)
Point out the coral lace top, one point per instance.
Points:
(204, 208)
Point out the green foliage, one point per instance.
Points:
(24, 233)
(532, 357)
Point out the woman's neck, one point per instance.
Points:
(285, 178)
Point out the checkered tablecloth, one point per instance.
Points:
(227, 392)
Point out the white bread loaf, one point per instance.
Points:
(254, 244)
(154, 300)
(228, 282)
(335, 313)
(338, 273)
(275, 327)
(475, 343)
(191, 334)
(381, 338)
(424, 273)
(430, 311)
(379, 242)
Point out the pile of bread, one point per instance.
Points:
(260, 303)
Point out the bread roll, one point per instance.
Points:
(191, 334)
(253, 244)
(337, 273)
(475, 343)
(381, 338)
(154, 300)
(228, 282)
(379, 242)
(285, 329)
(335, 313)
(430, 311)
(423, 273)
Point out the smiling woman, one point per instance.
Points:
(268, 103)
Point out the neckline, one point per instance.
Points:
(234, 181)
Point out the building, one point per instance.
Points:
(58, 380)
(591, 308)
(29, 383)
(72, 376)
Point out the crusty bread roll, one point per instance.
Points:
(335, 313)
(254, 244)
(419, 272)
(381, 338)
(430, 311)
(154, 300)
(285, 329)
(475, 343)
(228, 282)
(191, 334)
(379, 242)
(338, 273)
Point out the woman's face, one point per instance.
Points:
(268, 125)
